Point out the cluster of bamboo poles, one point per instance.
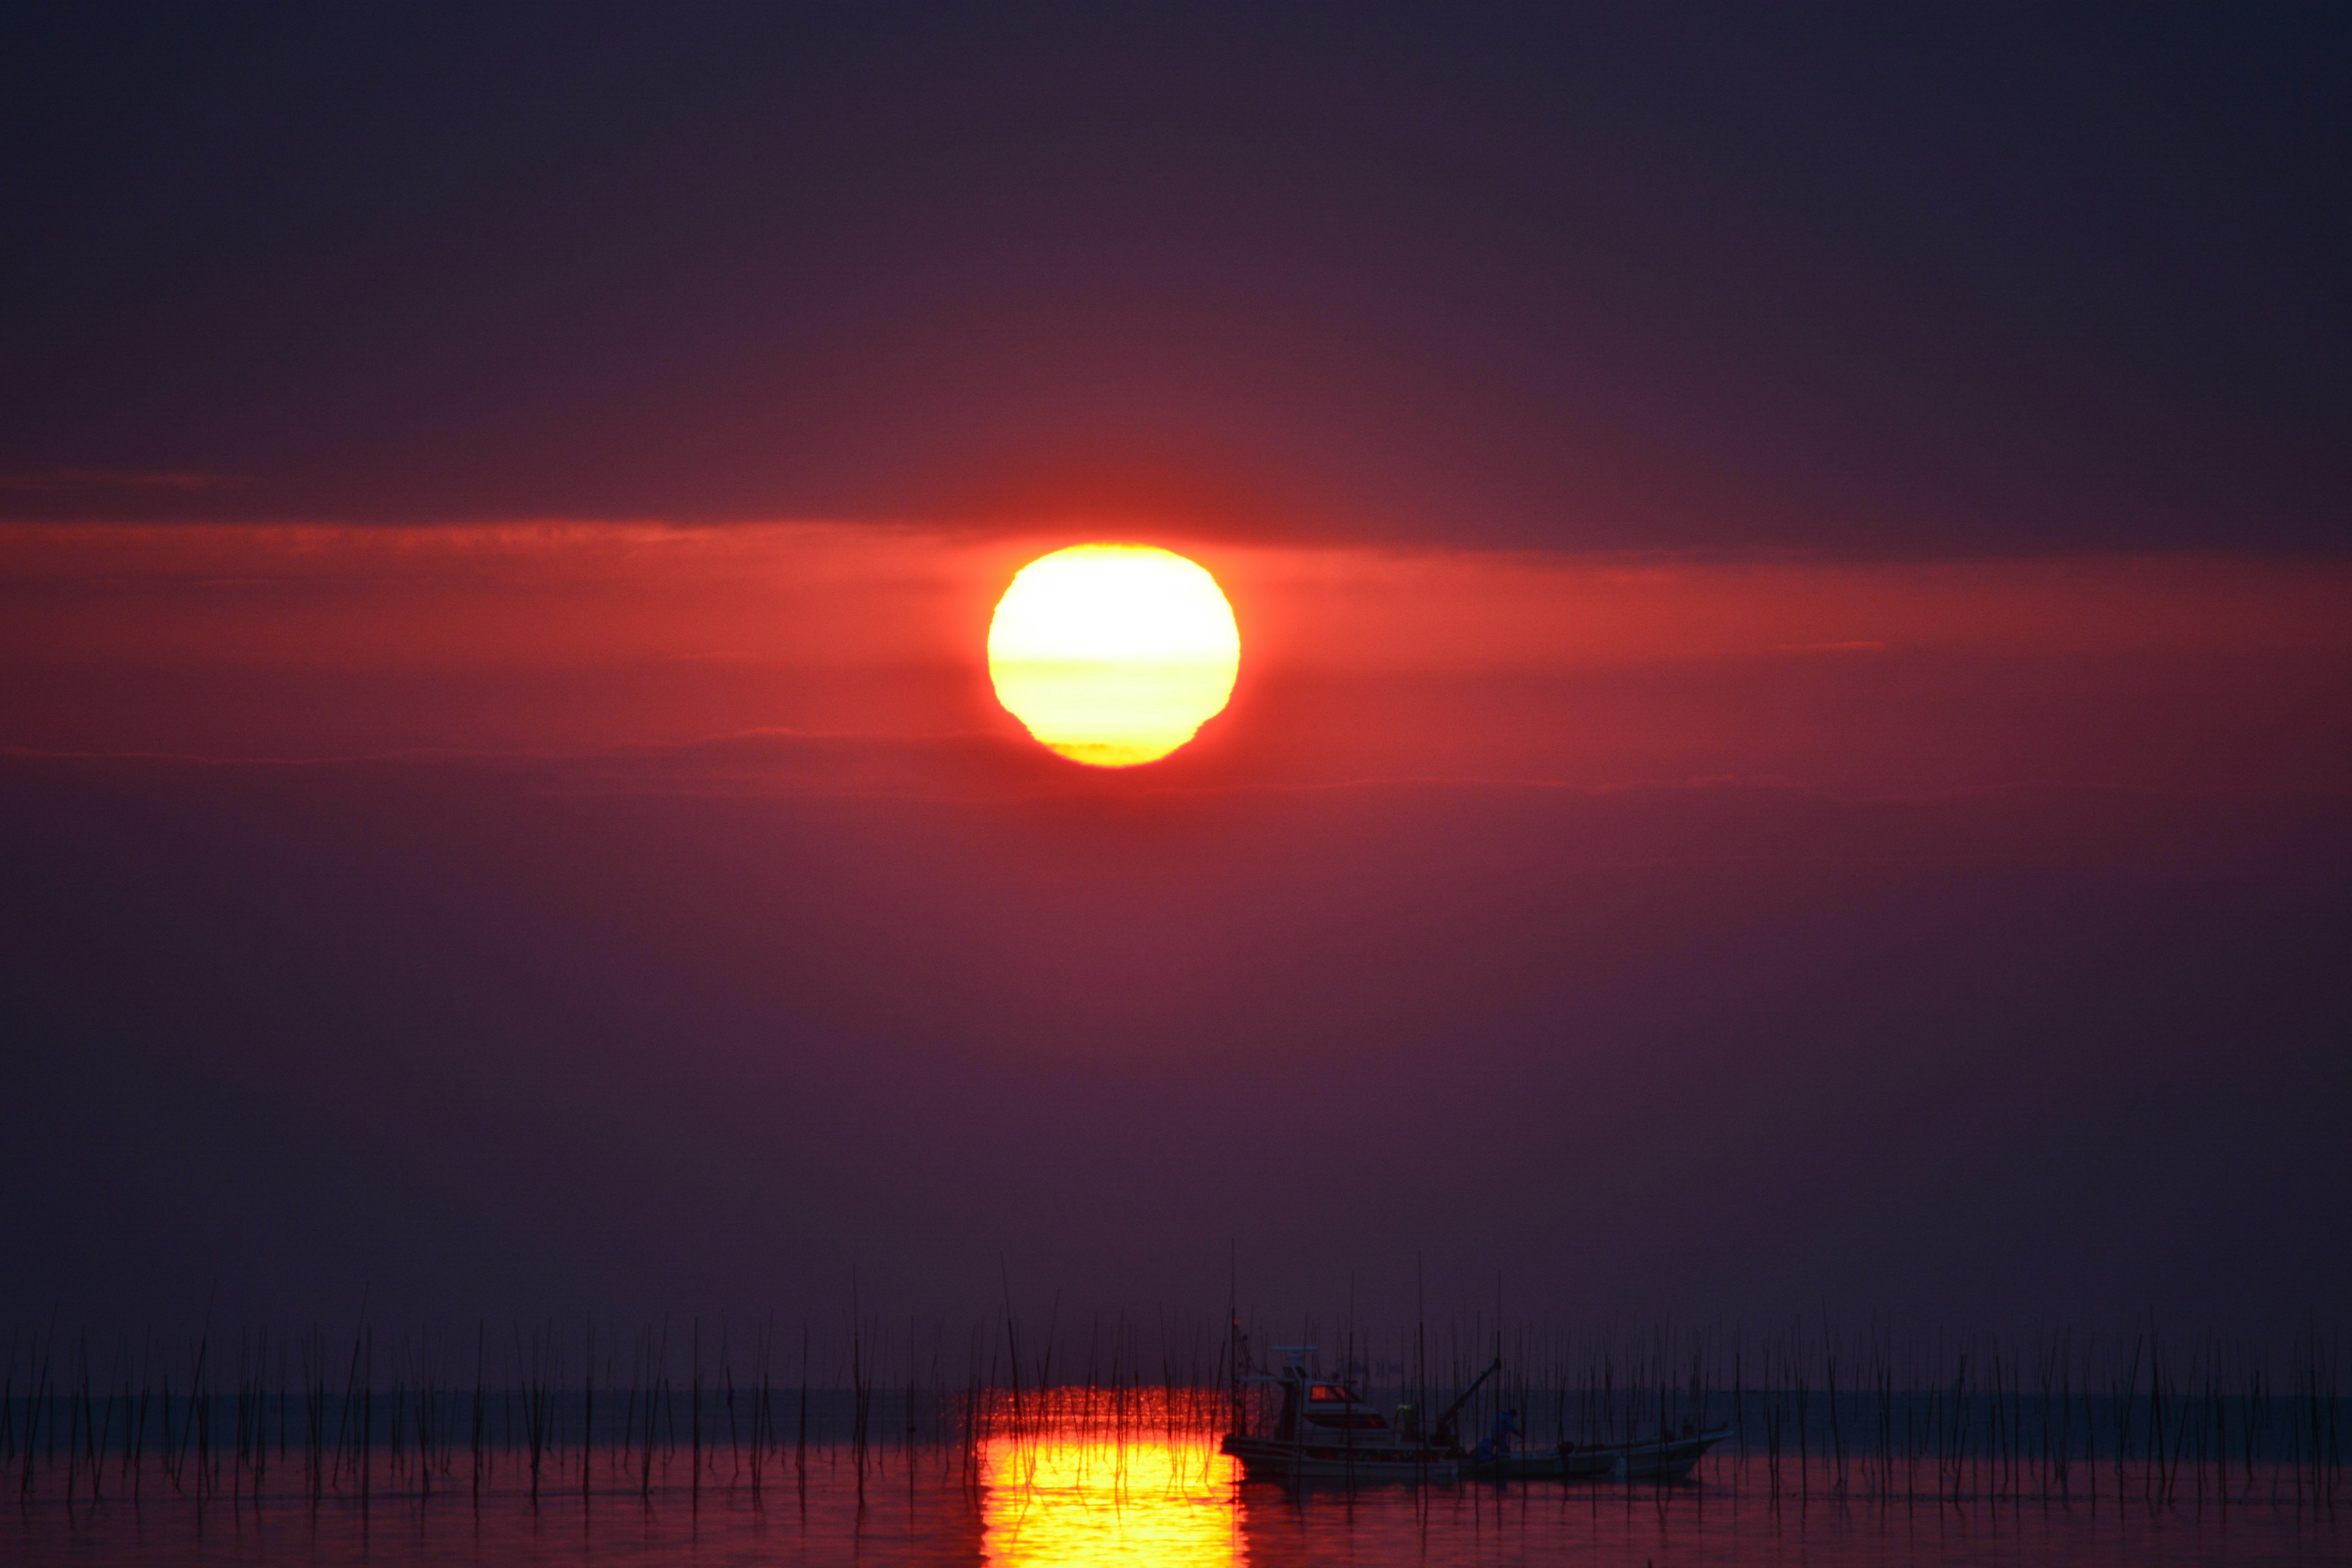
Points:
(536, 1410)
(1808, 1410)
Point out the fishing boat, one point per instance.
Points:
(1321, 1431)
(1671, 1457)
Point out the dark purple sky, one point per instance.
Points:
(1795, 735)
(1907, 282)
(476, 1042)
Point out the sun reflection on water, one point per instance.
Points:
(1098, 1496)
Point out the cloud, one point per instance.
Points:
(584, 640)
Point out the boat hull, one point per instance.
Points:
(1567, 1462)
(1661, 1459)
(1578, 1465)
(1538, 1467)
(1271, 1460)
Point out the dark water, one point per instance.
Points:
(1142, 1484)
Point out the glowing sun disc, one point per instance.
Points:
(1113, 654)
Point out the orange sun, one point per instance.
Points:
(1113, 654)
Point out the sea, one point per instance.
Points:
(1131, 1476)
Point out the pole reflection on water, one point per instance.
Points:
(1093, 1476)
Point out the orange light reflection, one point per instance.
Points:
(1088, 1498)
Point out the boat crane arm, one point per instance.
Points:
(1445, 1422)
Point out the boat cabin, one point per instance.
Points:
(1323, 1430)
(1318, 1409)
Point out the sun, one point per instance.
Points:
(1113, 654)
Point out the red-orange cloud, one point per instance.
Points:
(1358, 663)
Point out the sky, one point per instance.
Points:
(1793, 746)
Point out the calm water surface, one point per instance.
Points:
(1088, 1494)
